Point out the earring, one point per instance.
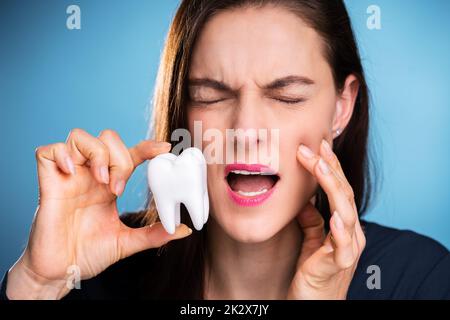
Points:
(337, 132)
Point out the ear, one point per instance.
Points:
(345, 104)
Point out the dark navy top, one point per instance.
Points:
(394, 265)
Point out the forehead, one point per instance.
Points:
(258, 43)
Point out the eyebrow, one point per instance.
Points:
(207, 82)
(289, 80)
(276, 84)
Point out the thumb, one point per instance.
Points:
(132, 241)
(312, 226)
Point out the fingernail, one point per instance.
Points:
(183, 231)
(323, 166)
(338, 223)
(305, 151)
(104, 174)
(327, 148)
(70, 165)
(120, 186)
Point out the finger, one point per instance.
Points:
(147, 149)
(330, 183)
(121, 164)
(330, 157)
(132, 241)
(83, 147)
(327, 153)
(359, 240)
(59, 154)
(345, 247)
(312, 225)
(320, 266)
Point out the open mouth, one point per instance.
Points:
(250, 184)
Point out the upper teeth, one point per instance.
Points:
(245, 172)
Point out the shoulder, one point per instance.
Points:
(401, 264)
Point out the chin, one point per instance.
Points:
(251, 229)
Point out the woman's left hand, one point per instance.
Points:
(327, 263)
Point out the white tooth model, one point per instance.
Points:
(174, 180)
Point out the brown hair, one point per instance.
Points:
(331, 21)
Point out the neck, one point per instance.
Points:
(236, 270)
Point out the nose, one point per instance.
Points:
(250, 122)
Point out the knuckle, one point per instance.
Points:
(337, 184)
(346, 241)
(350, 193)
(38, 150)
(352, 220)
(109, 133)
(347, 263)
(335, 162)
(350, 198)
(126, 167)
(362, 245)
(129, 167)
(76, 132)
(100, 151)
(59, 146)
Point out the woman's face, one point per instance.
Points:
(261, 68)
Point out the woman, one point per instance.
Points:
(289, 65)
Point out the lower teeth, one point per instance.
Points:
(251, 193)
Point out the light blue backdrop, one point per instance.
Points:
(53, 79)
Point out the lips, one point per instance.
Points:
(250, 185)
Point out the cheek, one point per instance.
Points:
(204, 120)
(307, 126)
(194, 115)
(309, 132)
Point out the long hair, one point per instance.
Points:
(180, 269)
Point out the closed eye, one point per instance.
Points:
(289, 101)
(209, 101)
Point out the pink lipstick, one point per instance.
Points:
(250, 184)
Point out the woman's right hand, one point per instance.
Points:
(77, 228)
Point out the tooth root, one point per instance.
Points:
(195, 207)
(167, 213)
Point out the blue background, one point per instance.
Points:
(53, 79)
